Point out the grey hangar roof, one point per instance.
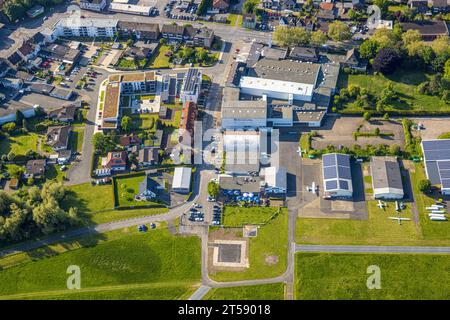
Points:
(336, 172)
(436, 155)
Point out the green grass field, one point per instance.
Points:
(260, 292)
(272, 241)
(344, 276)
(19, 144)
(240, 216)
(377, 230)
(76, 139)
(145, 121)
(159, 60)
(97, 204)
(405, 83)
(438, 231)
(112, 265)
(127, 188)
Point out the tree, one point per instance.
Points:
(441, 45)
(339, 31)
(411, 36)
(102, 144)
(386, 116)
(425, 185)
(385, 38)
(318, 38)
(368, 49)
(9, 127)
(286, 36)
(386, 61)
(126, 123)
(19, 118)
(204, 6)
(250, 6)
(213, 189)
(366, 116)
(395, 150)
(382, 4)
(16, 171)
(377, 131)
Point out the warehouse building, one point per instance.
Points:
(182, 180)
(436, 154)
(337, 176)
(386, 178)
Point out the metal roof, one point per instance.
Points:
(436, 154)
(336, 172)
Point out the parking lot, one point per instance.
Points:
(432, 127)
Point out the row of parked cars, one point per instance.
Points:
(217, 216)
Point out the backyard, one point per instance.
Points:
(122, 264)
(126, 187)
(20, 144)
(404, 83)
(343, 276)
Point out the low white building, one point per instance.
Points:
(86, 27)
(386, 178)
(182, 180)
(276, 180)
(130, 8)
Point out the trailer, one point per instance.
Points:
(438, 218)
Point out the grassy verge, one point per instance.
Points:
(344, 276)
(273, 291)
(76, 139)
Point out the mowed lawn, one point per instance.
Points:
(273, 291)
(240, 216)
(127, 188)
(159, 59)
(436, 231)
(405, 83)
(19, 144)
(344, 276)
(377, 230)
(119, 261)
(267, 252)
(76, 139)
(97, 204)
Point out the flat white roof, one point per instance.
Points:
(129, 7)
(87, 22)
(276, 86)
(182, 178)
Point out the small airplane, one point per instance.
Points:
(313, 188)
(381, 204)
(399, 219)
(299, 151)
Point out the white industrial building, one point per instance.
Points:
(242, 151)
(276, 180)
(86, 27)
(386, 178)
(94, 5)
(130, 8)
(182, 180)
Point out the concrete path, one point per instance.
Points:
(371, 249)
(200, 293)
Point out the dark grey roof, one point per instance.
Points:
(336, 171)
(191, 82)
(436, 155)
(303, 53)
(285, 70)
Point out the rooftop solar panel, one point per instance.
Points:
(344, 172)
(446, 183)
(445, 174)
(436, 144)
(433, 172)
(343, 184)
(343, 160)
(444, 165)
(329, 173)
(437, 155)
(329, 160)
(331, 185)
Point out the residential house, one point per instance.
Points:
(140, 30)
(221, 5)
(58, 137)
(35, 168)
(420, 6)
(148, 157)
(439, 6)
(4, 67)
(354, 61)
(129, 141)
(65, 113)
(63, 156)
(249, 21)
(116, 161)
(304, 54)
(61, 93)
(12, 83)
(188, 117)
(94, 5)
(173, 32)
(428, 29)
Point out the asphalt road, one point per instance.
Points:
(371, 249)
(200, 293)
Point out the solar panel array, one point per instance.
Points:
(337, 174)
(437, 161)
